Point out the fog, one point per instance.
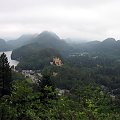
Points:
(83, 19)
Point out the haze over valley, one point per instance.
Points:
(59, 60)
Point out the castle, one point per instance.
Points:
(57, 61)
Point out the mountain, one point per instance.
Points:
(108, 47)
(21, 41)
(46, 36)
(44, 42)
(3, 45)
(50, 40)
(109, 40)
(109, 43)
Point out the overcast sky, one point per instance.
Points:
(85, 19)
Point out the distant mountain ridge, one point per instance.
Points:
(48, 39)
(108, 47)
(21, 41)
(4, 46)
(41, 38)
(45, 41)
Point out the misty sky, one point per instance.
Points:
(85, 19)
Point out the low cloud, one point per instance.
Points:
(88, 19)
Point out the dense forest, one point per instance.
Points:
(86, 86)
(23, 100)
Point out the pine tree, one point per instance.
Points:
(47, 89)
(5, 75)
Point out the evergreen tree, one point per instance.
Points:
(47, 89)
(5, 75)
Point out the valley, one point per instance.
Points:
(81, 73)
(59, 60)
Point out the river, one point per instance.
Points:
(8, 54)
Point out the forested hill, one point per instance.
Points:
(88, 78)
(35, 59)
(39, 53)
(109, 47)
(30, 53)
(45, 39)
(3, 45)
(51, 40)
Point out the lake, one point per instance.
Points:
(8, 54)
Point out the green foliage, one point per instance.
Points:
(25, 104)
(5, 75)
(36, 58)
(19, 104)
(17, 76)
(67, 77)
(95, 103)
(91, 80)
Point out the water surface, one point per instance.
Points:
(8, 54)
